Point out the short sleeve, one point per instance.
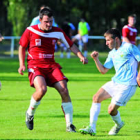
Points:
(108, 63)
(135, 52)
(125, 31)
(24, 40)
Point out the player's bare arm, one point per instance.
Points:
(77, 52)
(21, 60)
(99, 65)
(138, 76)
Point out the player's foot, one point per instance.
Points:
(115, 129)
(29, 121)
(71, 128)
(87, 130)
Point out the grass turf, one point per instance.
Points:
(84, 81)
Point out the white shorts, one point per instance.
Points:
(120, 94)
(84, 37)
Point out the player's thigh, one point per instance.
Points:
(61, 86)
(40, 83)
(101, 95)
(76, 37)
(123, 94)
(85, 39)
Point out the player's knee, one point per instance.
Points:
(42, 90)
(111, 111)
(96, 99)
(64, 91)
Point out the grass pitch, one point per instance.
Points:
(49, 122)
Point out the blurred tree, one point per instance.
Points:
(5, 25)
(16, 15)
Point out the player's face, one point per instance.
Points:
(131, 21)
(46, 23)
(110, 42)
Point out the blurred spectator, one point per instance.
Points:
(82, 36)
(1, 37)
(129, 31)
(69, 29)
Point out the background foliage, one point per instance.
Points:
(16, 15)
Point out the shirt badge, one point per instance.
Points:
(38, 42)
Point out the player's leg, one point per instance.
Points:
(95, 110)
(75, 38)
(61, 50)
(122, 94)
(85, 42)
(115, 115)
(61, 45)
(67, 107)
(68, 53)
(40, 86)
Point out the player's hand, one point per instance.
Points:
(138, 81)
(21, 69)
(84, 60)
(94, 55)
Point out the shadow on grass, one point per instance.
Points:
(77, 79)
(75, 116)
(69, 66)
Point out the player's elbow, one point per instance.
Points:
(102, 72)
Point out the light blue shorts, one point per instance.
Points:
(120, 94)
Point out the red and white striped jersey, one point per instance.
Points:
(41, 45)
(130, 33)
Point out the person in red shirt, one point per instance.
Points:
(129, 31)
(43, 71)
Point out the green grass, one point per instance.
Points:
(84, 81)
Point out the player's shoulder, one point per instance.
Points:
(33, 27)
(127, 45)
(56, 29)
(125, 27)
(111, 52)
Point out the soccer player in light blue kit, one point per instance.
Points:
(125, 59)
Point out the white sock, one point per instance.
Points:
(33, 105)
(117, 119)
(85, 53)
(61, 55)
(68, 112)
(68, 54)
(94, 113)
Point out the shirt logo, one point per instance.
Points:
(38, 42)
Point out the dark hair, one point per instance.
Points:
(42, 6)
(132, 15)
(114, 32)
(45, 11)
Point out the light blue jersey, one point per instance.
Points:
(125, 61)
